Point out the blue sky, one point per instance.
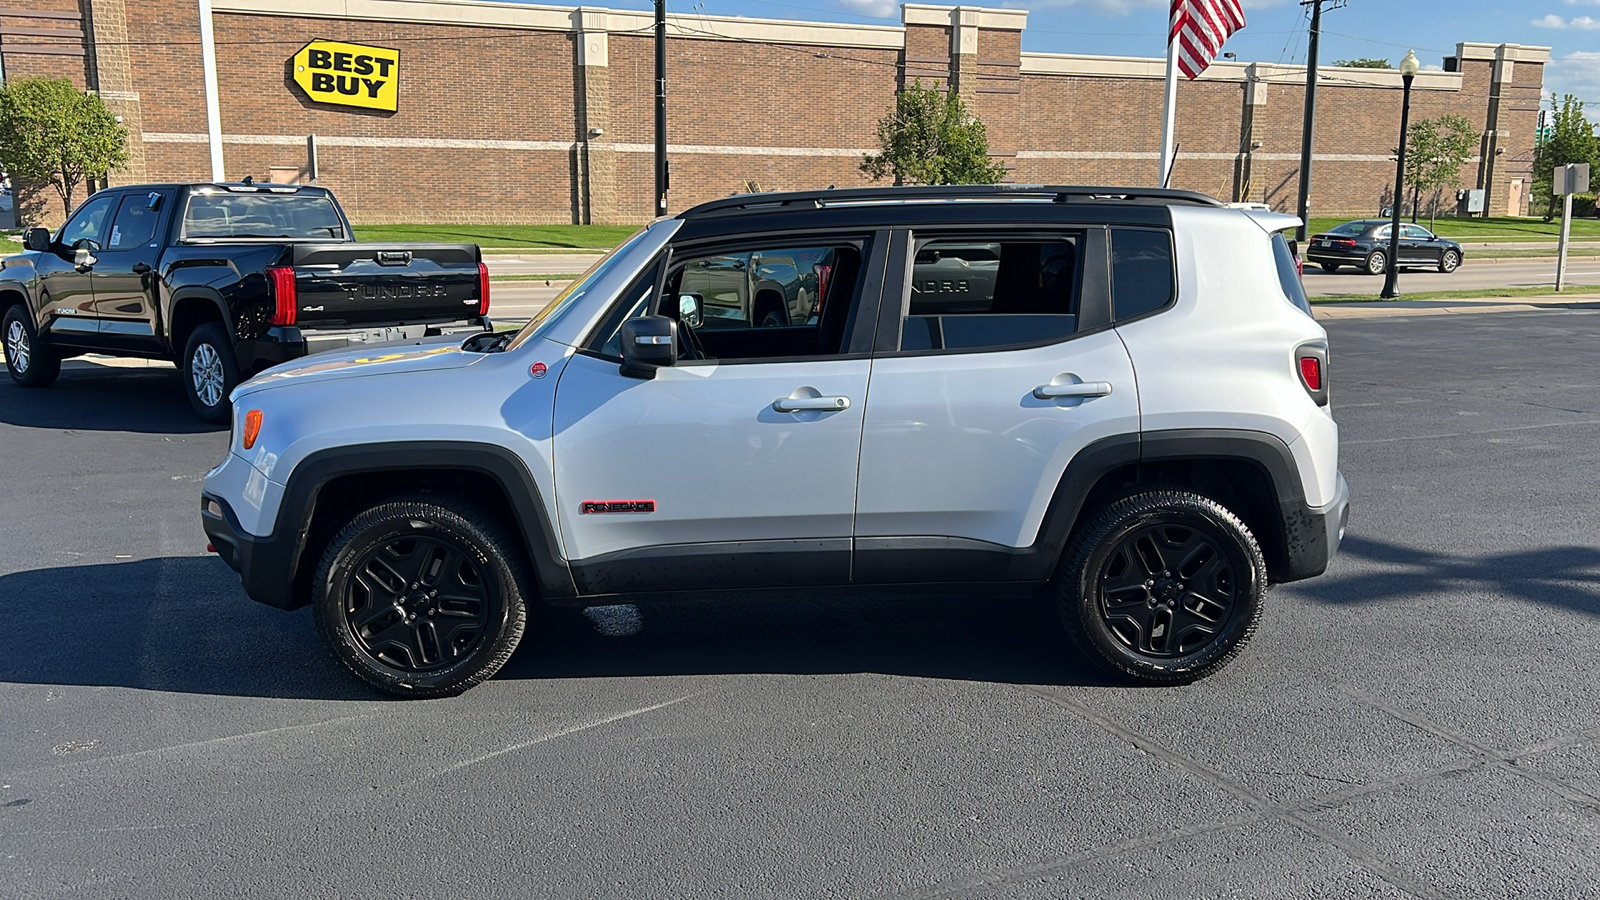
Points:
(1276, 29)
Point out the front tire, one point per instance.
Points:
(1329, 267)
(419, 600)
(31, 364)
(1377, 262)
(1449, 262)
(1162, 588)
(210, 373)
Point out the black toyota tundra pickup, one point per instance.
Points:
(224, 280)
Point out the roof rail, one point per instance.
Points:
(817, 199)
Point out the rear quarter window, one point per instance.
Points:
(1289, 273)
(1142, 276)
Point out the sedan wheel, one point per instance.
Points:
(1450, 261)
(1329, 267)
(1377, 263)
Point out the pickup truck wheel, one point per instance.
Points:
(1162, 587)
(419, 600)
(30, 364)
(210, 372)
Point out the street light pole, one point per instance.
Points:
(661, 107)
(1391, 275)
(1308, 126)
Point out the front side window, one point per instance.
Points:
(1141, 271)
(88, 227)
(135, 222)
(216, 215)
(1416, 233)
(986, 292)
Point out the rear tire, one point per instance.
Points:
(1329, 267)
(419, 600)
(1162, 588)
(210, 373)
(31, 364)
(1377, 262)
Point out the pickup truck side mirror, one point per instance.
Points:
(38, 239)
(691, 309)
(648, 343)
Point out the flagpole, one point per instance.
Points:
(1169, 111)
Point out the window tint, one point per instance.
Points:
(230, 215)
(135, 223)
(1416, 232)
(1289, 274)
(1141, 271)
(766, 301)
(88, 225)
(974, 293)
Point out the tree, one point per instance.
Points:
(1436, 149)
(930, 138)
(1572, 140)
(53, 134)
(1363, 63)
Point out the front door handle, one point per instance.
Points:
(799, 404)
(141, 268)
(1080, 389)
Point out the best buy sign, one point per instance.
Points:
(349, 74)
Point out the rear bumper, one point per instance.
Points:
(1312, 534)
(264, 564)
(283, 343)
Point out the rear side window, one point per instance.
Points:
(977, 293)
(1141, 271)
(1289, 273)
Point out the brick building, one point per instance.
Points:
(522, 113)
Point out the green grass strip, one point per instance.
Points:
(1547, 292)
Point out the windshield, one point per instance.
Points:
(576, 289)
(224, 214)
(1351, 228)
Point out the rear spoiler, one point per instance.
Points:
(1272, 222)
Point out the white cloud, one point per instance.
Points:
(1583, 2)
(882, 9)
(1576, 73)
(1582, 23)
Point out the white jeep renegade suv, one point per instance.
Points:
(1115, 394)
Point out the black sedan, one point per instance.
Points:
(1364, 244)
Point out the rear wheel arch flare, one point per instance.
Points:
(190, 310)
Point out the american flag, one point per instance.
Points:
(1199, 27)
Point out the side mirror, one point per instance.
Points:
(38, 239)
(648, 343)
(691, 309)
(83, 260)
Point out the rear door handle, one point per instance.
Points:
(1081, 389)
(799, 404)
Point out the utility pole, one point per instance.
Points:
(661, 107)
(1307, 129)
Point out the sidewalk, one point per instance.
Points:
(1382, 308)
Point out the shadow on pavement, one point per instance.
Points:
(91, 397)
(1563, 577)
(183, 624)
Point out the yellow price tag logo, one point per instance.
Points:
(349, 74)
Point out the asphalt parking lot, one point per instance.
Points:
(1422, 721)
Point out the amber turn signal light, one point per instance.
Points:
(252, 427)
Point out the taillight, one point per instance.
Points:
(1311, 372)
(1312, 361)
(283, 294)
(1347, 242)
(483, 289)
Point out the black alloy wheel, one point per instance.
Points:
(1162, 587)
(30, 364)
(1377, 262)
(1450, 261)
(419, 600)
(1329, 267)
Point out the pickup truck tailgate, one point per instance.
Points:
(356, 284)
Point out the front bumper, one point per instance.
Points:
(265, 565)
(280, 344)
(1312, 534)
